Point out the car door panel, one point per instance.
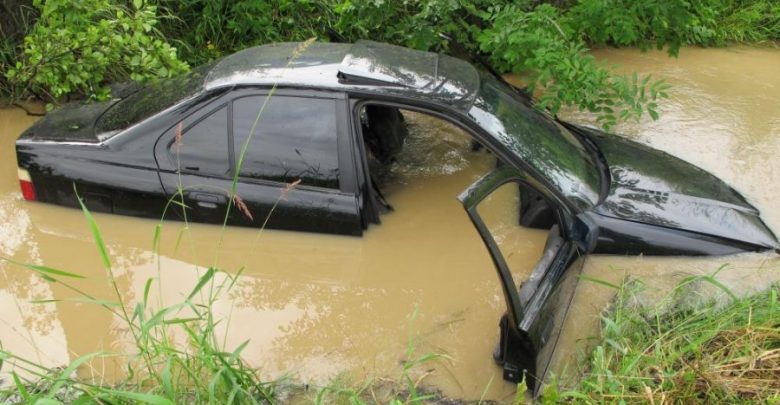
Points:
(536, 311)
(258, 202)
(284, 207)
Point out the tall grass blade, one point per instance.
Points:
(202, 282)
(147, 287)
(44, 269)
(142, 398)
(44, 301)
(82, 300)
(156, 238)
(158, 318)
(240, 349)
(600, 282)
(167, 379)
(95, 231)
(64, 376)
(20, 386)
(721, 286)
(47, 401)
(181, 320)
(178, 239)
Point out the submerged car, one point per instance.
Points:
(324, 116)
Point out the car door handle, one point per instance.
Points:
(207, 200)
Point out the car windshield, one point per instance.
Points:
(548, 148)
(151, 99)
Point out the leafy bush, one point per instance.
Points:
(16, 19)
(673, 23)
(78, 47)
(518, 39)
(536, 43)
(208, 29)
(412, 24)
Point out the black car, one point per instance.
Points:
(325, 116)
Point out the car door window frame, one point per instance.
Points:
(345, 180)
(347, 177)
(203, 115)
(357, 102)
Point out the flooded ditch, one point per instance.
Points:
(316, 306)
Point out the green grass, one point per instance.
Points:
(202, 370)
(711, 353)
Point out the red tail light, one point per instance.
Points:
(25, 182)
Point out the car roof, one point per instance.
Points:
(364, 66)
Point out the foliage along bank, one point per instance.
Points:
(75, 49)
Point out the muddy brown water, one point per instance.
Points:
(316, 307)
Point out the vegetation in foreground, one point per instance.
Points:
(681, 353)
(163, 370)
(712, 353)
(54, 50)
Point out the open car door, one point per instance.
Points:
(537, 309)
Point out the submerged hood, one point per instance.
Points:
(653, 187)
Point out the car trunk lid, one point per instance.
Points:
(73, 122)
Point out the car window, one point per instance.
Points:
(151, 99)
(204, 146)
(547, 147)
(295, 138)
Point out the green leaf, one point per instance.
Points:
(156, 238)
(599, 281)
(95, 231)
(203, 280)
(20, 386)
(139, 397)
(240, 349)
(178, 239)
(653, 114)
(159, 317)
(44, 269)
(146, 290)
(86, 300)
(84, 399)
(180, 320)
(47, 401)
(65, 374)
(43, 301)
(167, 379)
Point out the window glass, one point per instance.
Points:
(295, 138)
(551, 150)
(151, 99)
(204, 147)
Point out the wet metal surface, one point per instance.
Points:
(723, 116)
(315, 306)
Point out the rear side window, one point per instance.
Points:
(295, 138)
(204, 146)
